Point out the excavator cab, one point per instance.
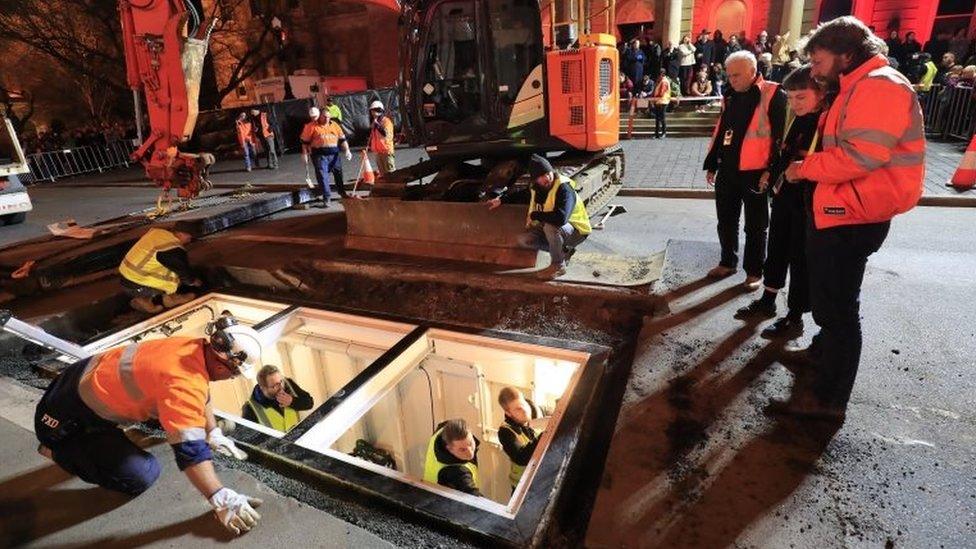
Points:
(480, 80)
(472, 62)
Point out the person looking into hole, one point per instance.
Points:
(452, 457)
(276, 400)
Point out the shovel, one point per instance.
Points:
(308, 176)
(615, 209)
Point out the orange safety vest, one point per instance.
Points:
(872, 166)
(165, 379)
(757, 144)
(265, 127)
(377, 142)
(319, 136)
(245, 132)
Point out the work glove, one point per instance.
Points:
(223, 445)
(348, 155)
(235, 511)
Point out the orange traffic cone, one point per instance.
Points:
(965, 176)
(367, 174)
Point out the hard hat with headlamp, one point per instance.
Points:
(242, 344)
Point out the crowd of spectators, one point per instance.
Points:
(696, 68)
(57, 137)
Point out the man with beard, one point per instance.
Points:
(871, 168)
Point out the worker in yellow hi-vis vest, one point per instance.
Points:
(276, 400)
(517, 435)
(452, 457)
(156, 272)
(556, 221)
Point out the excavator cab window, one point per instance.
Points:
(452, 72)
(517, 49)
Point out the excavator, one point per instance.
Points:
(483, 85)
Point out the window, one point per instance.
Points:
(452, 73)
(516, 50)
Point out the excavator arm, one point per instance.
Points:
(164, 61)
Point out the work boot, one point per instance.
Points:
(805, 407)
(752, 283)
(787, 327)
(760, 308)
(568, 253)
(721, 271)
(175, 300)
(551, 272)
(145, 304)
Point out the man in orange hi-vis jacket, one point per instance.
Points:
(77, 419)
(871, 168)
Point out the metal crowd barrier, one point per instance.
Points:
(54, 165)
(950, 112)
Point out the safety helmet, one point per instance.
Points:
(314, 113)
(255, 112)
(239, 342)
(376, 106)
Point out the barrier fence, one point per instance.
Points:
(949, 112)
(54, 165)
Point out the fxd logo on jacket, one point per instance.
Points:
(50, 421)
(834, 210)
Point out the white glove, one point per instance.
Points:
(235, 511)
(223, 445)
(348, 155)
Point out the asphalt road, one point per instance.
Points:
(693, 461)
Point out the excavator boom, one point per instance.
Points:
(164, 61)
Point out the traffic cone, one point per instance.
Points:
(965, 176)
(368, 176)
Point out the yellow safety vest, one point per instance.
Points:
(578, 218)
(515, 474)
(432, 467)
(141, 267)
(269, 416)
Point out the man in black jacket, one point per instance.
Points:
(751, 126)
(516, 435)
(452, 457)
(276, 400)
(556, 221)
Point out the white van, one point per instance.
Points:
(14, 201)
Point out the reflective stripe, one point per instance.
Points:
(126, 376)
(878, 137)
(169, 277)
(187, 435)
(87, 394)
(829, 141)
(859, 158)
(905, 159)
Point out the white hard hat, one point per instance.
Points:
(245, 345)
(314, 112)
(376, 105)
(255, 112)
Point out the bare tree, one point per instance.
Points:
(242, 43)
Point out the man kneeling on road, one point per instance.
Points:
(557, 221)
(77, 420)
(156, 271)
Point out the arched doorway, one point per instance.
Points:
(731, 17)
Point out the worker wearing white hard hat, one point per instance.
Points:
(77, 420)
(381, 138)
(322, 141)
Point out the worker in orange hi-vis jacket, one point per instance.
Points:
(77, 420)
(965, 176)
(871, 168)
